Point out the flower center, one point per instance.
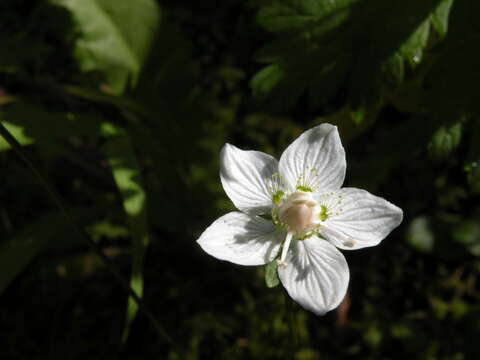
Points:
(297, 216)
(297, 212)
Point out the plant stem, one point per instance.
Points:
(58, 201)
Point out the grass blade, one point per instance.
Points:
(127, 175)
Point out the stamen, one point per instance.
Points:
(286, 245)
(329, 205)
(275, 186)
(307, 180)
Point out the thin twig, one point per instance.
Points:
(57, 200)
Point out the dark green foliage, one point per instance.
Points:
(125, 106)
(356, 48)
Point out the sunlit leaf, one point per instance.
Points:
(18, 132)
(127, 175)
(115, 37)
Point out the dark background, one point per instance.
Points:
(125, 105)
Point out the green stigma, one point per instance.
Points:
(304, 188)
(277, 197)
(323, 213)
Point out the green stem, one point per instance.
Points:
(57, 200)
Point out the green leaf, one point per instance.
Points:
(373, 336)
(358, 115)
(18, 252)
(412, 49)
(106, 229)
(115, 37)
(289, 15)
(388, 151)
(31, 124)
(17, 132)
(420, 234)
(467, 233)
(127, 175)
(326, 47)
(444, 141)
(453, 79)
(394, 70)
(265, 80)
(473, 176)
(96, 96)
(440, 17)
(271, 275)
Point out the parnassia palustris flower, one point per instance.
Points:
(296, 211)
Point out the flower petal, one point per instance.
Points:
(315, 160)
(363, 220)
(316, 276)
(241, 239)
(245, 176)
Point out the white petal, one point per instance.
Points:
(316, 276)
(245, 176)
(242, 239)
(363, 220)
(316, 159)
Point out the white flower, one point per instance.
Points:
(308, 215)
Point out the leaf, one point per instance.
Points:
(440, 17)
(17, 133)
(412, 49)
(48, 231)
(420, 234)
(394, 70)
(467, 233)
(386, 153)
(444, 141)
(127, 175)
(361, 46)
(452, 82)
(265, 80)
(31, 124)
(96, 96)
(358, 115)
(445, 236)
(115, 37)
(473, 177)
(271, 275)
(290, 15)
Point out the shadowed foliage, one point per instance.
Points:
(125, 106)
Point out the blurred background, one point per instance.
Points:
(125, 105)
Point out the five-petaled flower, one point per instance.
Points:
(306, 216)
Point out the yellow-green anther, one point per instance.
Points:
(323, 213)
(304, 188)
(277, 197)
